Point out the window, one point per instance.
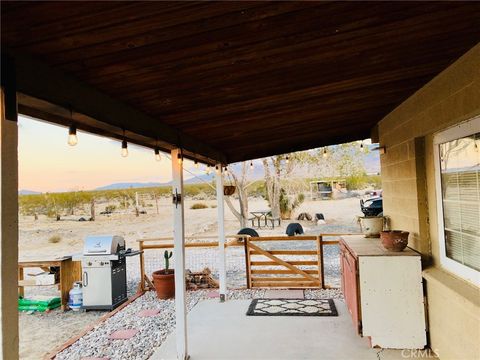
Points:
(457, 159)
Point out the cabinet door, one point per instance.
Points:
(350, 288)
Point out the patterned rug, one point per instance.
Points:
(292, 307)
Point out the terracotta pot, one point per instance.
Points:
(164, 284)
(228, 190)
(394, 240)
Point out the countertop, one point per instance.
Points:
(362, 246)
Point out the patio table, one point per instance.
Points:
(259, 215)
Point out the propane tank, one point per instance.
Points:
(75, 298)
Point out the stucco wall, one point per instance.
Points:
(408, 181)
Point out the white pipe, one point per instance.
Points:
(222, 268)
(179, 253)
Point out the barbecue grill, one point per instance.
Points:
(104, 271)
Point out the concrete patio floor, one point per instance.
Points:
(223, 331)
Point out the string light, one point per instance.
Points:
(361, 145)
(226, 170)
(208, 169)
(286, 159)
(251, 165)
(158, 157)
(124, 148)
(72, 135)
(325, 154)
(196, 164)
(217, 169)
(179, 157)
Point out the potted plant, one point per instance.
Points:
(164, 280)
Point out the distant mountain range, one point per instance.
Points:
(127, 185)
(28, 192)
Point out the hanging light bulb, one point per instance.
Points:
(251, 165)
(217, 169)
(361, 145)
(179, 157)
(158, 157)
(286, 159)
(124, 148)
(225, 170)
(196, 164)
(72, 135)
(207, 170)
(325, 154)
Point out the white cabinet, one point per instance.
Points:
(389, 294)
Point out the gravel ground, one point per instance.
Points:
(152, 330)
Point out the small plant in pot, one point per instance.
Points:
(164, 280)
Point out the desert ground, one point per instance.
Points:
(42, 332)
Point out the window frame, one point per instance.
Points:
(467, 128)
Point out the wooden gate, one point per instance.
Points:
(284, 268)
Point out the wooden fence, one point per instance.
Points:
(310, 278)
(272, 268)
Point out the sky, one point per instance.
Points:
(47, 163)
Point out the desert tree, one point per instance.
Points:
(239, 179)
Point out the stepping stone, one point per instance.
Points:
(284, 294)
(123, 334)
(148, 312)
(213, 295)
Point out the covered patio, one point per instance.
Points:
(232, 335)
(220, 83)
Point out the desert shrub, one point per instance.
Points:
(197, 206)
(54, 239)
(214, 206)
(110, 208)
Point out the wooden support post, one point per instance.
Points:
(222, 268)
(179, 253)
(142, 267)
(321, 272)
(8, 214)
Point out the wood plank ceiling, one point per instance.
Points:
(250, 79)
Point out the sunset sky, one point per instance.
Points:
(48, 163)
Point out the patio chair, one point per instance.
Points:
(248, 231)
(294, 229)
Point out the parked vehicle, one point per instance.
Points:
(372, 207)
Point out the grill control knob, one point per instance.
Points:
(101, 263)
(89, 263)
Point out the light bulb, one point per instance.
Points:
(361, 145)
(286, 160)
(225, 170)
(196, 164)
(72, 136)
(325, 154)
(208, 169)
(158, 157)
(124, 148)
(179, 158)
(217, 169)
(251, 165)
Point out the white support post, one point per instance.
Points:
(179, 253)
(8, 221)
(222, 268)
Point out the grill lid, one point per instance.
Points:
(103, 245)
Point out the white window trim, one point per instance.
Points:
(464, 129)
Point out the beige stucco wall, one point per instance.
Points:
(410, 197)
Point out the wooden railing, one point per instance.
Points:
(167, 243)
(303, 278)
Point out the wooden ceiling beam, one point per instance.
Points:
(40, 81)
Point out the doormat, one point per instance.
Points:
(292, 307)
